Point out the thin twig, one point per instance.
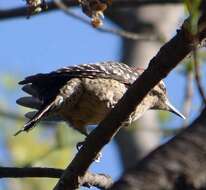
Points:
(15, 172)
(11, 115)
(125, 34)
(188, 96)
(23, 11)
(197, 75)
(98, 180)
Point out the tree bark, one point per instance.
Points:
(145, 134)
(177, 165)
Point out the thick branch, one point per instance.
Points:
(167, 58)
(98, 180)
(178, 164)
(23, 12)
(188, 96)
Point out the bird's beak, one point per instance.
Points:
(172, 109)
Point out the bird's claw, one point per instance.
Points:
(79, 146)
(98, 157)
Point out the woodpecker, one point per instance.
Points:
(84, 94)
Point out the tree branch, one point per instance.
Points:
(198, 76)
(23, 11)
(188, 96)
(178, 164)
(14, 172)
(98, 180)
(119, 32)
(167, 59)
(11, 115)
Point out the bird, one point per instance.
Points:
(83, 95)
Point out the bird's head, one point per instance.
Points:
(162, 101)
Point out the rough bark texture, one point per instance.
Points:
(163, 20)
(178, 164)
(90, 179)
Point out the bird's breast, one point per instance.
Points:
(98, 98)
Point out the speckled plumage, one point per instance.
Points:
(84, 94)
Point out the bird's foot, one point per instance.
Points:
(79, 146)
(98, 157)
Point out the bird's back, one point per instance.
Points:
(47, 86)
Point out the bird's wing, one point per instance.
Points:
(44, 88)
(109, 69)
(112, 70)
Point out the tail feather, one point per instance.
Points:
(30, 89)
(36, 118)
(51, 118)
(30, 102)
